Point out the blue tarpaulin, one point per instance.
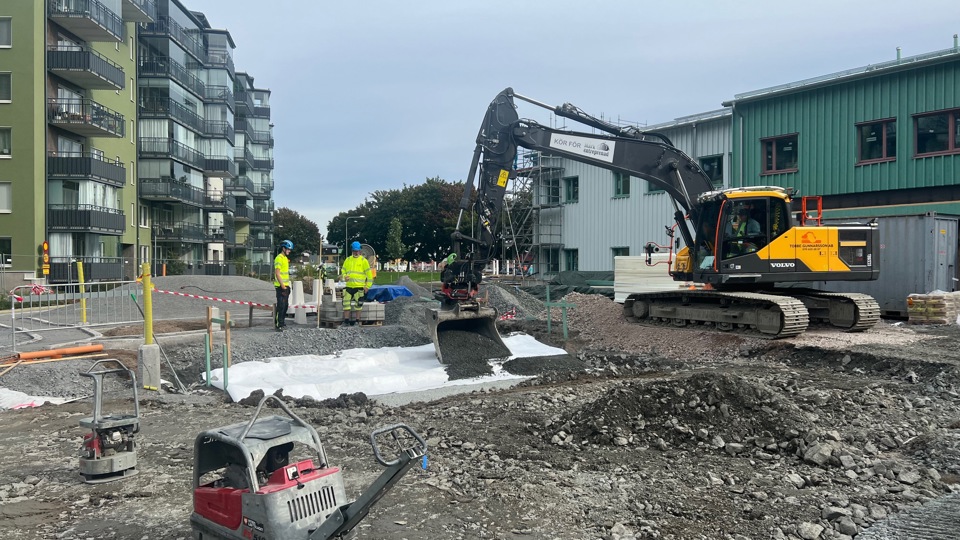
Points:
(386, 293)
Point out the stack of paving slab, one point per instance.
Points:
(937, 307)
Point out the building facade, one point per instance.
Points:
(117, 141)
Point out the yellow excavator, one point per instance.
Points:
(750, 263)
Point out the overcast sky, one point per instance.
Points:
(371, 95)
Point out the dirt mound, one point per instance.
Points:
(701, 408)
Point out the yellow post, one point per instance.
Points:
(147, 306)
(83, 298)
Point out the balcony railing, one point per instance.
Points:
(169, 108)
(263, 163)
(244, 100)
(240, 184)
(88, 19)
(167, 68)
(261, 111)
(170, 189)
(240, 124)
(244, 240)
(155, 147)
(85, 117)
(85, 68)
(261, 137)
(179, 232)
(220, 166)
(85, 166)
(84, 217)
(242, 213)
(219, 94)
(221, 58)
(217, 129)
(64, 269)
(262, 217)
(262, 190)
(190, 41)
(220, 202)
(139, 10)
(262, 243)
(242, 153)
(226, 235)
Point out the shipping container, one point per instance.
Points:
(918, 254)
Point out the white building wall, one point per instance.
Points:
(599, 222)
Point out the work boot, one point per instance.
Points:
(346, 322)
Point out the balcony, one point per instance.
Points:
(240, 124)
(243, 240)
(139, 11)
(64, 269)
(85, 117)
(262, 243)
(265, 164)
(166, 27)
(221, 58)
(261, 137)
(242, 213)
(262, 190)
(155, 147)
(226, 235)
(216, 129)
(241, 185)
(261, 111)
(220, 166)
(168, 108)
(84, 217)
(242, 153)
(170, 69)
(85, 166)
(219, 94)
(261, 217)
(219, 202)
(170, 189)
(244, 100)
(171, 231)
(85, 68)
(88, 19)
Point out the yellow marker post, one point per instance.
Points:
(147, 306)
(83, 297)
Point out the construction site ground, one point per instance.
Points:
(641, 432)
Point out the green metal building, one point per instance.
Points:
(880, 141)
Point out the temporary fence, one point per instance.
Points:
(36, 309)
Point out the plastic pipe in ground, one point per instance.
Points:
(68, 351)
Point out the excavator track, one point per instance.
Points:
(768, 316)
(852, 312)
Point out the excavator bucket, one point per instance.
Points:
(468, 333)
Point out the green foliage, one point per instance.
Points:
(290, 225)
(241, 264)
(429, 212)
(395, 247)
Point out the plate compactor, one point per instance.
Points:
(269, 479)
(109, 451)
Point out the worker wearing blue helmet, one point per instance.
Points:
(281, 280)
(359, 277)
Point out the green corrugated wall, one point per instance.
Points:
(825, 120)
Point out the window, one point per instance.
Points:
(6, 32)
(6, 92)
(938, 133)
(621, 185)
(6, 140)
(144, 217)
(6, 252)
(621, 252)
(571, 260)
(6, 197)
(877, 141)
(780, 154)
(571, 189)
(713, 167)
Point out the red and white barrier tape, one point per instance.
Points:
(228, 301)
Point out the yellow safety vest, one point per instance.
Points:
(356, 270)
(282, 263)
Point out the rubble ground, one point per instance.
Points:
(641, 433)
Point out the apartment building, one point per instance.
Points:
(118, 143)
(67, 152)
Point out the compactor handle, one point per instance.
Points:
(414, 451)
(91, 373)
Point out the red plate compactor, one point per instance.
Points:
(269, 479)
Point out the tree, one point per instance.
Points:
(395, 247)
(290, 225)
